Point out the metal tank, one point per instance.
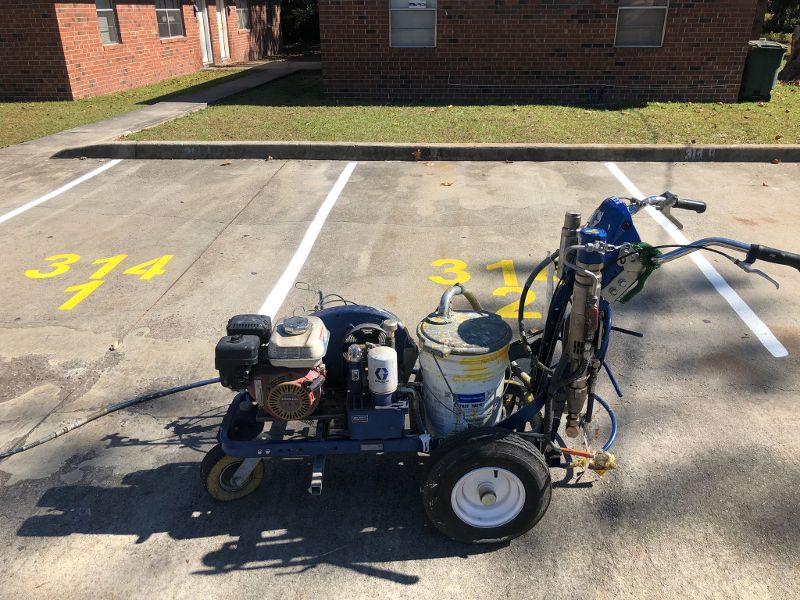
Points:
(464, 359)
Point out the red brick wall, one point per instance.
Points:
(552, 50)
(31, 58)
(141, 58)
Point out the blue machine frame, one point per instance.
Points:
(259, 447)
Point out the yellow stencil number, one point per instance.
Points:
(83, 290)
(151, 268)
(458, 268)
(511, 310)
(511, 286)
(109, 264)
(509, 274)
(58, 262)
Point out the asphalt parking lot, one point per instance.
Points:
(122, 284)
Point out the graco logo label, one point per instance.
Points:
(382, 373)
(471, 398)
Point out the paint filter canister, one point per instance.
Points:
(382, 367)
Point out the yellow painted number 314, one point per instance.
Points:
(60, 264)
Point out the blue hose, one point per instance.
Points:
(608, 323)
(613, 436)
(612, 378)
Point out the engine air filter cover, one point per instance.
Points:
(258, 325)
(234, 356)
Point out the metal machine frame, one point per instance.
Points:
(598, 264)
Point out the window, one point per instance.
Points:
(170, 19)
(412, 23)
(641, 23)
(107, 20)
(243, 13)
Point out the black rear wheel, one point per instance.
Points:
(217, 470)
(485, 486)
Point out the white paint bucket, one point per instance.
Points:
(464, 360)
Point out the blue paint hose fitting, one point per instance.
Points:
(590, 235)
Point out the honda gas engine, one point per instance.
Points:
(281, 368)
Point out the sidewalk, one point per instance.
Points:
(158, 113)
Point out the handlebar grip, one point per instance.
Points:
(695, 205)
(773, 255)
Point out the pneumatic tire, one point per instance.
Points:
(486, 485)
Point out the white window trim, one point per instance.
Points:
(179, 10)
(113, 12)
(435, 25)
(663, 28)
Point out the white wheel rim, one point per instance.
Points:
(488, 497)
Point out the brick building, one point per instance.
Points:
(62, 50)
(545, 50)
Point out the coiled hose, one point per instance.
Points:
(106, 411)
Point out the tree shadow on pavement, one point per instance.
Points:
(369, 513)
(195, 432)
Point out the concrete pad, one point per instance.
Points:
(707, 446)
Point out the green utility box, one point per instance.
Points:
(761, 70)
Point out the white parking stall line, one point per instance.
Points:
(278, 294)
(740, 307)
(66, 187)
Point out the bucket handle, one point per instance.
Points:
(444, 309)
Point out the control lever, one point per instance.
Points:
(749, 268)
(673, 201)
(668, 213)
(669, 201)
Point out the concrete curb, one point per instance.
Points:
(455, 152)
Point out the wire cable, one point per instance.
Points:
(677, 246)
(106, 411)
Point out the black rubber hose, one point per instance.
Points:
(554, 324)
(105, 411)
(528, 283)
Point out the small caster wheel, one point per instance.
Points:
(486, 485)
(217, 470)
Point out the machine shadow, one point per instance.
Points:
(370, 513)
(196, 432)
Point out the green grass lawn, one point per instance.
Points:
(294, 109)
(23, 121)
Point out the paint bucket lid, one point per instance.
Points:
(466, 332)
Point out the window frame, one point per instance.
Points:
(112, 8)
(243, 10)
(434, 10)
(178, 9)
(665, 8)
